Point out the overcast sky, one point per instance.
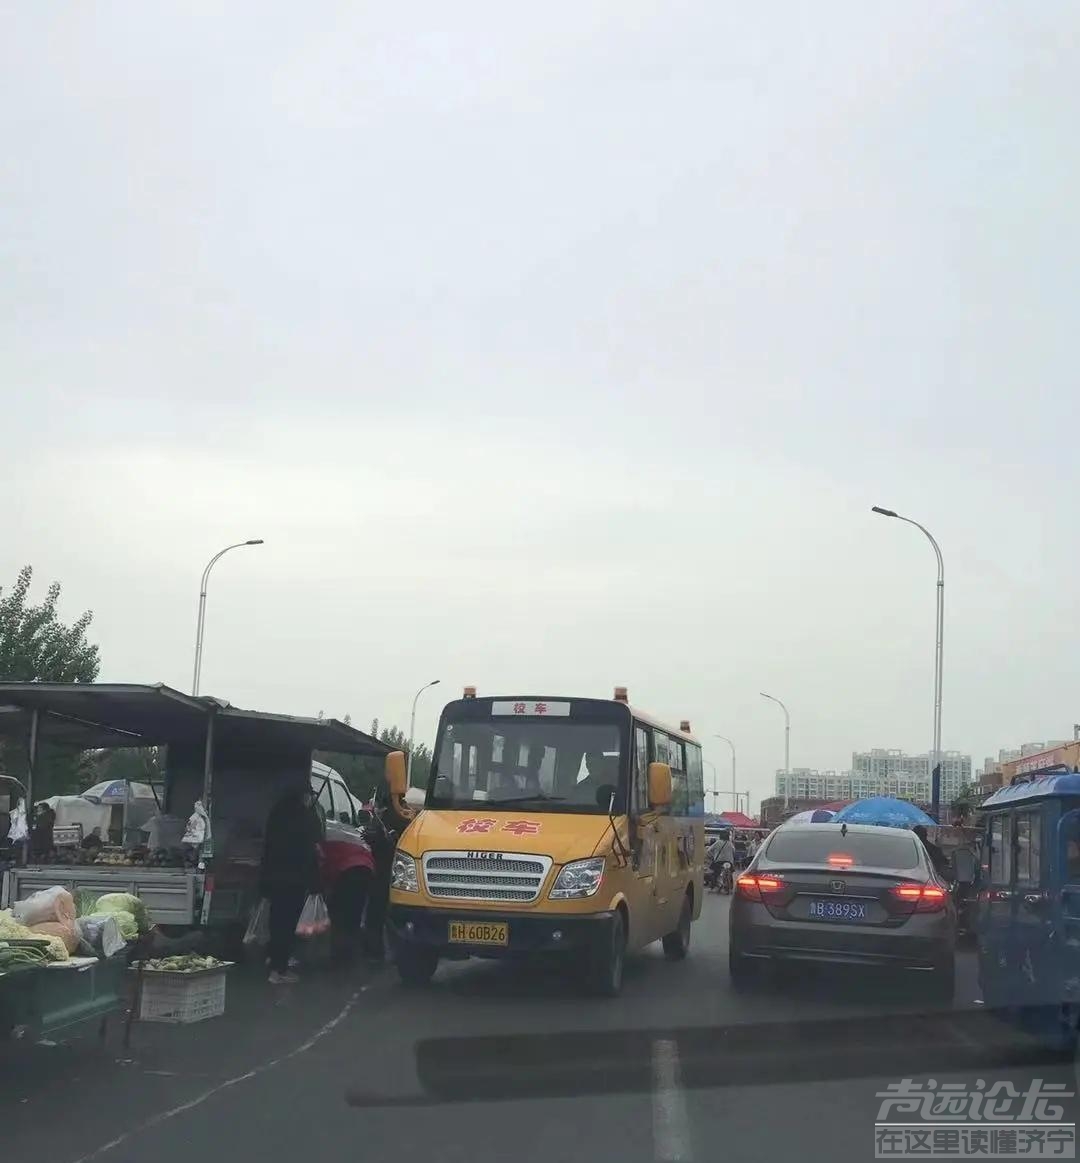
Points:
(553, 347)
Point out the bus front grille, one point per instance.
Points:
(513, 877)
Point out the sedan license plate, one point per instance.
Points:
(826, 910)
(479, 933)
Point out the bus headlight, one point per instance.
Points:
(403, 874)
(580, 878)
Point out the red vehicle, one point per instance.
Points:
(345, 857)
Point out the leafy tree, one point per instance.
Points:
(35, 646)
(363, 774)
(967, 799)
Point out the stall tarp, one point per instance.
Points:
(76, 810)
(119, 791)
(738, 820)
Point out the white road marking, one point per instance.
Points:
(199, 1099)
(671, 1123)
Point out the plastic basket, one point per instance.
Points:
(171, 996)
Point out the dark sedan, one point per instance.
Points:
(840, 893)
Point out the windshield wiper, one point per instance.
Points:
(517, 800)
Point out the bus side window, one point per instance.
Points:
(697, 785)
(640, 798)
(680, 798)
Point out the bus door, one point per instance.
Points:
(672, 856)
(645, 847)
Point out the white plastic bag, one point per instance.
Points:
(50, 904)
(100, 933)
(258, 930)
(198, 826)
(18, 832)
(314, 918)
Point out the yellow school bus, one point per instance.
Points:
(552, 826)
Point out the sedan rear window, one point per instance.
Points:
(864, 849)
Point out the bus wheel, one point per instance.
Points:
(606, 967)
(677, 942)
(416, 964)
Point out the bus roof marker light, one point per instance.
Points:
(621, 695)
(685, 726)
(469, 693)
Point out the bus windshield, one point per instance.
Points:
(546, 764)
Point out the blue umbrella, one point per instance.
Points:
(883, 810)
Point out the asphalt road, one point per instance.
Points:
(493, 1062)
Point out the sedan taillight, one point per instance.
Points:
(923, 898)
(754, 887)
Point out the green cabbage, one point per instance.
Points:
(124, 902)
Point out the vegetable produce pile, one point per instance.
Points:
(183, 963)
(10, 929)
(137, 858)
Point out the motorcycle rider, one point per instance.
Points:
(720, 851)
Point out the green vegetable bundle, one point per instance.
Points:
(183, 963)
(20, 957)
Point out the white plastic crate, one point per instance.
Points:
(171, 996)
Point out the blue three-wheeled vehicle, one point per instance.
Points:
(1028, 919)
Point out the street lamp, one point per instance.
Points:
(734, 793)
(201, 620)
(787, 745)
(939, 636)
(412, 729)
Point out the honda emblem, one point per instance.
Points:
(837, 886)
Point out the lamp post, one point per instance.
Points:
(734, 793)
(787, 746)
(200, 621)
(939, 637)
(412, 729)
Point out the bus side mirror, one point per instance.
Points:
(395, 774)
(659, 786)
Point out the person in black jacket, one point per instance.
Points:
(937, 857)
(382, 835)
(290, 871)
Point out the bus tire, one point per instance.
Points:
(606, 964)
(416, 964)
(677, 942)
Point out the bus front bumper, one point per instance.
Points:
(527, 935)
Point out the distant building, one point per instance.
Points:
(808, 784)
(895, 773)
(1022, 760)
(878, 772)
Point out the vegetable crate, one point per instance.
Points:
(179, 997)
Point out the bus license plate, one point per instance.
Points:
(479, 933)
(838, 910)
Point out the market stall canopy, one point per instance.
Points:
(738, 820)
(813, 816)
(883, 810)
(118, 791)
(110, 715)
